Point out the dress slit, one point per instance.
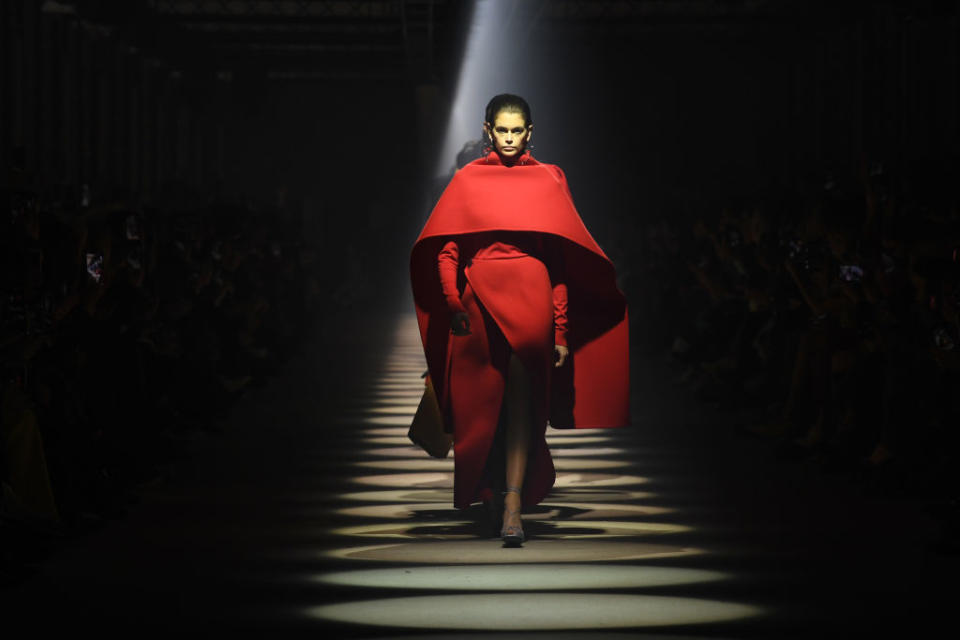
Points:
(518, 320)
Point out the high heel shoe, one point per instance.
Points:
(512, 534)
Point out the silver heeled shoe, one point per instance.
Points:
(512, 535)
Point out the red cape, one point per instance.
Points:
(593, 388)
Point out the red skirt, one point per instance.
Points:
(510, 304)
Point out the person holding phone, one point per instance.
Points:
(521, 319)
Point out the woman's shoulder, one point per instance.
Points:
(555, 172)
(466, 172)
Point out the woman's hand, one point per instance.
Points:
(560, 354)
(460, 323)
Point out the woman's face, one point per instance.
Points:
(509, 134)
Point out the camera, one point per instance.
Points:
(851, 273)
(942, 339)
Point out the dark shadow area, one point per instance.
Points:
(206, 216)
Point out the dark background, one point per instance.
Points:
(647, 105)
(736, 159)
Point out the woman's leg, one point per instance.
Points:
(518, 397)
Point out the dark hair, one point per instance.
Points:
(508, 102)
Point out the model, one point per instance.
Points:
(502, 253)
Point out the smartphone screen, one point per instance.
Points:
(851, 273)
(95, 266)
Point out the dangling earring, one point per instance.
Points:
(487, 148)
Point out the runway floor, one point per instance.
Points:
(313, 512)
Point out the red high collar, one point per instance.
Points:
(525, 158)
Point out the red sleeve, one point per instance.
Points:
(560, 313)
(448, 261)
(559, 296)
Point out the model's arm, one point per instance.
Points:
(448, 262)
(560, 313)
(559, 282)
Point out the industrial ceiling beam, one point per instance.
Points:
(271, 9)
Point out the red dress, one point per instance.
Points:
(527, 317)
(506, 245)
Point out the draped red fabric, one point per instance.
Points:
(592, 389)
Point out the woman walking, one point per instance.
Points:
(521, 319)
